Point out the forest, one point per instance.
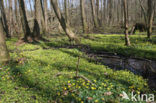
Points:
(77, 51)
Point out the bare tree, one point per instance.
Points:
(36, 29)
(98, 11)
(150, 17)
(62, 21)
(4, 54)
(27, 33)
(127, 41)
(66, 11)
(94, 14)
(46, 15)
(83, 16)
(4, 19)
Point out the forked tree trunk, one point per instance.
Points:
(27, 33)
(93, 14)
(5, 22)
(62, 21)
(4, 54)
(127, 41)
(83, 17)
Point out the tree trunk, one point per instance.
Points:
(5, 22)
(4, 54)
(62, 21)
(66, 11)
(150, 16)
(98, 12)
(11, 23)
(93, 14)
(127, 41)
(31, 8)
(36, 29)
(46, 15)
(27, 33)
(110, 8)
(17, 16)
(41, 9)
(83, 17)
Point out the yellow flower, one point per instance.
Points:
(94, 80)
(138, 92)
(65, 88)
(93, 88)
(79, 99)
(73, 84)
(58, 93)
(103, 99)
(68, 81)
(108, 88)
(96, 101)
(82, 102)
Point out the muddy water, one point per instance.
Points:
(144, 67)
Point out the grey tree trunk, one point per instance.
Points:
(4, 54)
(11, 23)
(46, 15)
(127, 41)
(94, 14)
(66, 11)
(31, 7)
(150, 17)
(36, 29)
(27, 33)
(41, 9)
(83, 17)
(63, 23)
(98, 12)
(5, 22)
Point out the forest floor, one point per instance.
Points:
(44, 72)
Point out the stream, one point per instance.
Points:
(143, 67)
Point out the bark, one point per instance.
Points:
(127, 41)
(4, 54)
(93, 14)
(10, 18)
(46, 15)
(5, 22)
(27, 33)
(18, 23)
(104, 10)
(83, 17)
(150, 16)
(63, 23)
(110, 7)
(66, 11)
(31, 7)
(36, 29)
(41, 9)
(98, 11)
